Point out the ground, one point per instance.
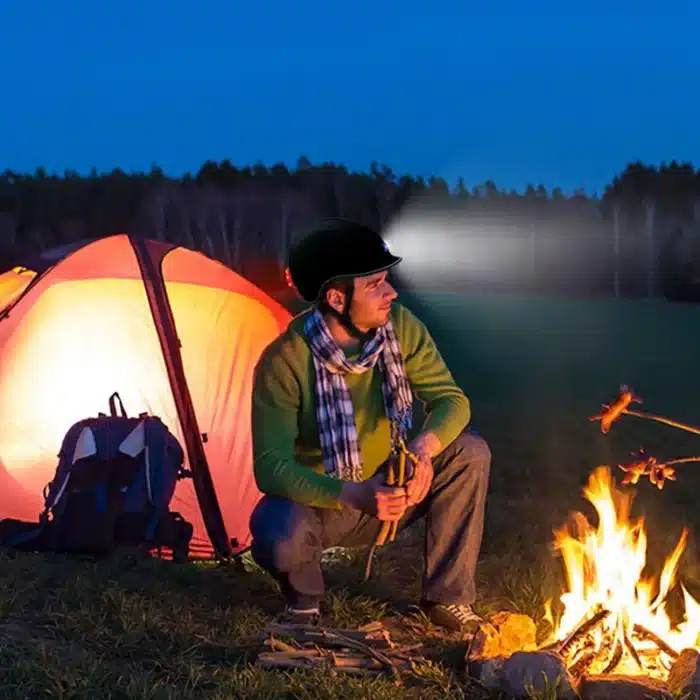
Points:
(535, 370)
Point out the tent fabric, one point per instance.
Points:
(13, 283)
(85, 329)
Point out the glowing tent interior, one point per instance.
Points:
(176, 333)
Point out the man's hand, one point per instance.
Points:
(425, 446)
(419, 485)
(374, 498)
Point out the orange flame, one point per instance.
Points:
(604, 568)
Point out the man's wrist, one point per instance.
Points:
(426, 446)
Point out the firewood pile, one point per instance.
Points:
(592, 643)
(368, 649)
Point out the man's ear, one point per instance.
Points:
(335, 298)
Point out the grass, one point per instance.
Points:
(535, 369)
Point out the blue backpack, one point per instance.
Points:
(113, 485)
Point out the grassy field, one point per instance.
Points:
(535, 369)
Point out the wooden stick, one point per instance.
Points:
(661, 419)
(374, 626)
(292, 653)
(583, 663)
(616, 656)
(633, 652)
(400, 481)
(306, 634)
(347, 641)
(583, 627)
(395, 477)
(665, 648)
(347, 665)
(279, 645)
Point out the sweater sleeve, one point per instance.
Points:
(448, 410)
(276, 401)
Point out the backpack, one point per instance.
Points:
(115, 478)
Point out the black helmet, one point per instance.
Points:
(336, 249)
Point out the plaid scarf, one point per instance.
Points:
(335, 414)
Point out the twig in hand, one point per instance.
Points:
(396, 476)
(400, 481)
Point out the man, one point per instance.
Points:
(329, 396)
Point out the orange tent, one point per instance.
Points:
(175, 333)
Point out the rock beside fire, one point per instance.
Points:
(619, 687)
(503, 634)
(538, 671)
(684, 676)
(523, 672)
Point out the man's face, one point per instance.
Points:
(371, 301)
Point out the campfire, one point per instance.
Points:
(614, 626)
(614, 618)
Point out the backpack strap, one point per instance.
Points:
(113, 405)
(153, 486)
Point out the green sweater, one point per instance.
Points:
(286, 448)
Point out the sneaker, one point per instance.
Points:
(301, 616)
(456, 618)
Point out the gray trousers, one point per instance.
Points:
(289, 538)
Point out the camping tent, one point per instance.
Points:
(175, 333)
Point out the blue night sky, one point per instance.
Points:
(516, 91)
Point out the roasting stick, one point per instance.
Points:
(396, 476)
(661, 419)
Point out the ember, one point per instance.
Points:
(614, 619)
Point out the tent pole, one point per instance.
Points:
(151, 273)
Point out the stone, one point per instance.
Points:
(503, 634)
(621, 687)
(526, 673)
(684, 676)
(487, 671)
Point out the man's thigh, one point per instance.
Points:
(282, 520)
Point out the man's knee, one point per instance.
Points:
(471, 451)
(284, 533)
(471, 443)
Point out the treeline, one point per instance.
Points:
(640, 237)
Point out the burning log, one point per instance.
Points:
(609, 609)
(582, 663)
(587, 625)
(631, 649)
(615, 657)
(648, 634)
